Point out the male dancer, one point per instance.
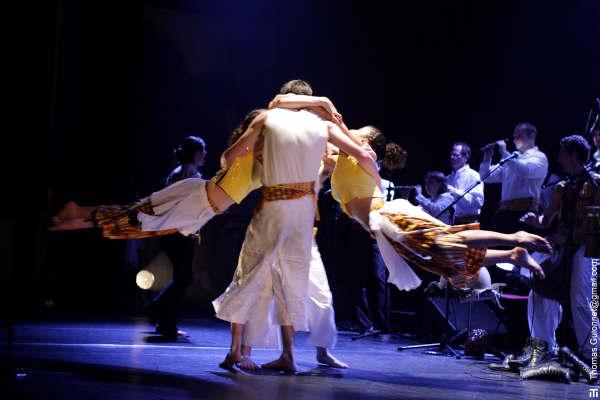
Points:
(275, 257)
(319, 303)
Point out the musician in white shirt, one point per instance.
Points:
(462, 178)
(521, 177)
(439, 199)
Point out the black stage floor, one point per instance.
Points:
(113, 360)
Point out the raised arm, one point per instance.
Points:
(297, 101)
(544, 220)
(319, 105)
(486, 165)
(245, 142)
(348, 146)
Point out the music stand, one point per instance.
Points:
(444, 347)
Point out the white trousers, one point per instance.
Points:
(319, 306)
(271, 280)
(544, 315)
(319, 313)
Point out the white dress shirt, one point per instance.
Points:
(434, 207)
(521, 177)
(461, 180)
(387, 189)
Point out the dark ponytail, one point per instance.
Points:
(184, 153)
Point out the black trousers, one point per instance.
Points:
(180, 250)
(362, 276)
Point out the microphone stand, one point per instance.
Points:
(480, 181)
(445, 344)
(589, 126)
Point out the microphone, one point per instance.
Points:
(514, 154)
(506, 140)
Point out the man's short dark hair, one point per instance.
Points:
(527, 127)
(465, 149)
(296, 86)
(578, 145)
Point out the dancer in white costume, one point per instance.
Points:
(275, 257)
(319, 305)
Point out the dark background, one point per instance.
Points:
(128, 80)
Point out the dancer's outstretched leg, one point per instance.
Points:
(360, 209)
(73, 210)
(73, 217)
(518, 256)
(485, 239)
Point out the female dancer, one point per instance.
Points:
(405, 232)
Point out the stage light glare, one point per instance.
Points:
(144, 279)
(506, 266)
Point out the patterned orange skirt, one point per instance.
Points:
(120, 222)
(436, 247)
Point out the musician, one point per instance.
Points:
(462, 178)
(521, 177)
(163, 308)
(438, 198)
(568, 271)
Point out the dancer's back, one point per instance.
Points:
(275, 257)
(294, 144)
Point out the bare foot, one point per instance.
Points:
(70, 224)
(326, 358)
(230, 360)
(533, 242)
(69, 210)
(247, 364)
(284, 363)
(521, 257)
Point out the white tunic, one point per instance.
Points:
(275, 257)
